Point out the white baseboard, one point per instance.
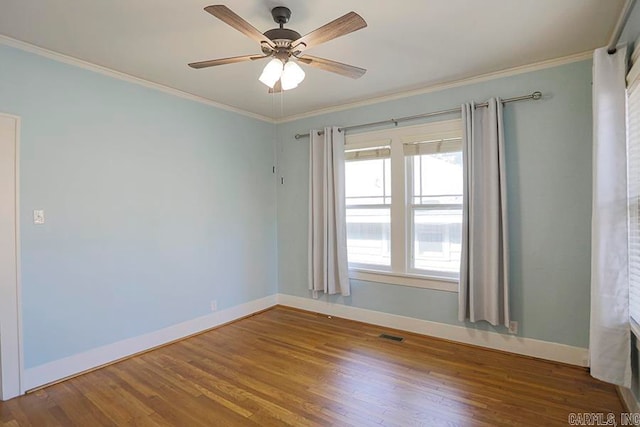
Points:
(629, 400)
(59, 369)
(73, 365)
(493, 340)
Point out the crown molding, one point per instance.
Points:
(28, 47)
(550, 63)
(186, 95)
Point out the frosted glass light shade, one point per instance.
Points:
(292, 75)
(271, 73)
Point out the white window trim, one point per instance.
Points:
(399, 273)
(405, 279)
(633, 88)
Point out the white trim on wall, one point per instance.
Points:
(11, 360)
(398, 95)
(28, 47)
(626, 395)
(446, 85)
(78, 363)
(511, 343)
(629, 400)
(405, 279)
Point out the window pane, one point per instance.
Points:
(437, 238)
(368, 236)
(437, 178)
(633, 183)
(368, 182)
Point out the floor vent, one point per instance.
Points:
(391, 337)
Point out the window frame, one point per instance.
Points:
(400, 272)
(633, 195)
(366, 145)
(413, 207)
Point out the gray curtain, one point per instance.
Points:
(484, 270)
(328, 268)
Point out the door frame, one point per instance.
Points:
(11, 350)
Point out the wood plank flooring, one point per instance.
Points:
(288, 367)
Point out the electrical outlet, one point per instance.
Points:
(214, 305)
(513, 327)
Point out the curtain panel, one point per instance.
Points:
(484, 265)
(328, 265)
(609, 334)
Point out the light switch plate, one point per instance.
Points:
(38, 216)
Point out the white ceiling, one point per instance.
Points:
(408, 44)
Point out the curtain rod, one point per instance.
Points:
(617, 31)
(535, 95)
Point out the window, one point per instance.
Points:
(404, 204)
(368, 200)
(435, 209)
(633, 198)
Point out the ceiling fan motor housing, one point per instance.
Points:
(282, 37)
(282, 34)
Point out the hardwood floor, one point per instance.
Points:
(287, 367)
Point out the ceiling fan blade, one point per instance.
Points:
(229, 17)
(277, 88)
(333, 66)
(339, 27)
(222, 61)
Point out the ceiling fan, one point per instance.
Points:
(284, 44)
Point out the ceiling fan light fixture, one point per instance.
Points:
(292, 75)
(271, 72)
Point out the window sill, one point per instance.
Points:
(411, 280)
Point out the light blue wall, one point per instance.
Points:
(549, 197)
(154, 205)
(631, 30)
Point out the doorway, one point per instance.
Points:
(10, 311)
